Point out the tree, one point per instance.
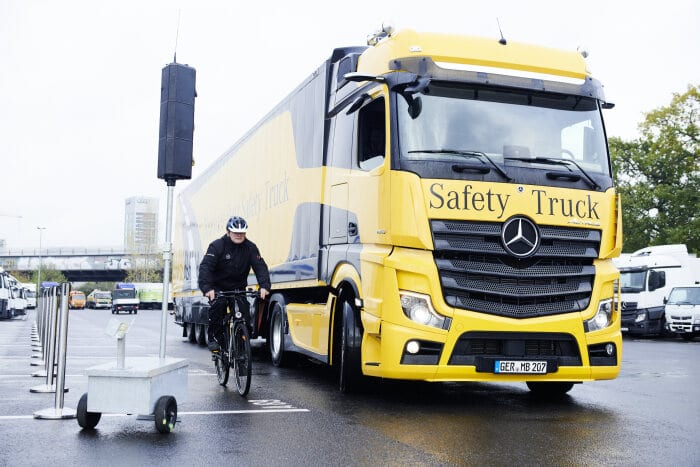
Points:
(49, 273)
(658, 176)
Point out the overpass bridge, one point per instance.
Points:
(80, 264)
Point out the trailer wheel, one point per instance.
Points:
(88, 420)
(201, 334)
(165, 414)
(350, 377)
(191, 336)
(276, 336)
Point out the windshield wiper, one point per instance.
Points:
(468, 154)
(553, 161)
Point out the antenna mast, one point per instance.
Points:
(177, 34)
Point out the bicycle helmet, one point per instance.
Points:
(237, 225)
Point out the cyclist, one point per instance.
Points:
(226, 266)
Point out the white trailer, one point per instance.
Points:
(647, 277)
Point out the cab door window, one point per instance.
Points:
(371, 135)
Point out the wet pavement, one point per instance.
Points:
(295, 416)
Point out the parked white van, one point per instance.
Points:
(683, 312)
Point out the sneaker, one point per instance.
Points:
(213, 346)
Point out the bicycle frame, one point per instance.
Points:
(237, 352)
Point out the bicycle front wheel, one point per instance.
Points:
(242, 358)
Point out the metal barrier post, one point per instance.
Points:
(37, 348)
(58, 411)
(44, 331)
(50, 354)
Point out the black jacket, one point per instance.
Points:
(226, 266)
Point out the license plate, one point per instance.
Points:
(517, 366)
(624, 329)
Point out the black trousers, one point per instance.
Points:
(217, 312)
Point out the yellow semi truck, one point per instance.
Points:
(432, 207)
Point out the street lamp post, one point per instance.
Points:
(40, 229)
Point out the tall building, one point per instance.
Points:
(141, 225)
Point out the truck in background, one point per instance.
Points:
(99, 299)
(682, 312)
(76, 299)
(647, 277)
(31, 294)
(124, 298)
(151, 295)
(432, 207)
(5, 294)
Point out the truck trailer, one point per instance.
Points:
(432, 207)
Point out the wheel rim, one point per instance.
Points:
(276, 343)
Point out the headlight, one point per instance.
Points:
(641, 317)
(417, 307)
(602, 318)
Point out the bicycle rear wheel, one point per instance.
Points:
(242, 358)
(221, 363)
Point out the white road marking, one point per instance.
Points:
(268, 406)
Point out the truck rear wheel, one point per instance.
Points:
(201, 334)
(191, 336)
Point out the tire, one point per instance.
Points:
(687, 336)
(276, 336)
(165, 414)
(86, 420)
(242, 358)
(549, 389)
(200, 334)
(191, 334)
(222, 368)
(350, 373)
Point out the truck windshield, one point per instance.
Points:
(124, 293)
(103, 295)
(684, 296)
(633, 281)
(506, 125)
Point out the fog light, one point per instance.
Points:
(610, 349)
(413, 347)
(641, 317)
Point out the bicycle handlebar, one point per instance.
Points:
(236, 293)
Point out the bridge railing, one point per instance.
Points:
(67, 251)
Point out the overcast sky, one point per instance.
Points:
(80, 83)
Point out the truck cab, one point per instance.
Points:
(76, 299)
(125, 298)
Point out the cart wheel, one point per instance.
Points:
(165, 414)
(86, 419)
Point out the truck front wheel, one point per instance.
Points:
(549, 389)
(276, 335)
(350, 376)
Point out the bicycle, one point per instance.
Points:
(236, 350)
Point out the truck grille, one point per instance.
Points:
(478, 274)
(475, 345)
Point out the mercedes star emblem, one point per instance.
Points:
(520, 237)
